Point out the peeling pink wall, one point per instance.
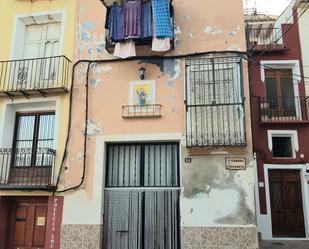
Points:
(110, 91)
(199, 26)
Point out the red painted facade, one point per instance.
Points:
(291, 51)
(54, 220)
(4, 218)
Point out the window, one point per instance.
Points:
(280, 92)
(214, 102)
(282, 147)
(33, 138)
(282, 143)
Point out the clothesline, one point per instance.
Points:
(137, 20)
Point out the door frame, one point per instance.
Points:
(305, 198)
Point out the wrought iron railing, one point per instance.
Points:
(37, 74)
(215, 125)
(141, 111)
(263, 37)
(284, 109)
(23, 168)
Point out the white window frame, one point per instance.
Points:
(10, 109)
(19, 29)
(284, 133)
(285, 64)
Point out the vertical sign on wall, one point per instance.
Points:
(54, 220)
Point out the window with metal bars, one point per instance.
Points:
(34, 132)
(282, 146)
(143, 165)
(215, 102)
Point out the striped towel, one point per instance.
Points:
(162, 21)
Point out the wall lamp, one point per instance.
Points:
(141, 72)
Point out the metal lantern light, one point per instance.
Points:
(141, 72)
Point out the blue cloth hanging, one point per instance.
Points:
(162, 21)
(146, 21)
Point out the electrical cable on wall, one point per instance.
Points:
(90, 62)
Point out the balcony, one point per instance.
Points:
(215, 125)
(285, 110)
(260, 39)
(21, 169)
(32, 77)
(141, 111)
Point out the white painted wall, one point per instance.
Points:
(304, 41)
(89, 209)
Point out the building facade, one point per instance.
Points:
(153, 150)
(280, 124)
(160, 145)
(35, 79)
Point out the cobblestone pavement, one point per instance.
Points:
(284, 244)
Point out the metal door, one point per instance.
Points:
(141, 203)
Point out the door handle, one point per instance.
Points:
(122, 231)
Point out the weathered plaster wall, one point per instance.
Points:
(199, 26)
(214, 196)
(211, 196)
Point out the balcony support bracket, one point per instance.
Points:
(44, 94)
(25, 94)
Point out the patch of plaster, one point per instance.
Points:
(177, 30)
(232, 33)
(177, 42)
(212, 30)
(192, 35)
(171, 84)
(210, 179)
(166, 66)
(103, 69)
(93, 129)
(186, 18)
(87, 25)
(233, 47)
(94, 83)
(241, 215)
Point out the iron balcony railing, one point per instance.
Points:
(141, 111)
(284, 109)
(261, 37)
(48, 75)
(215, 125)
(23, 168)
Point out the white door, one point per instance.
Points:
(39, 67)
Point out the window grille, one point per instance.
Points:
(282, 147)
(214, 102)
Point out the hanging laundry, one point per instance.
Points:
(132, 18)
(107, 18)
(116, 23)
(162, 21)
(125, 49)
(161, 44)
(146, 20)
